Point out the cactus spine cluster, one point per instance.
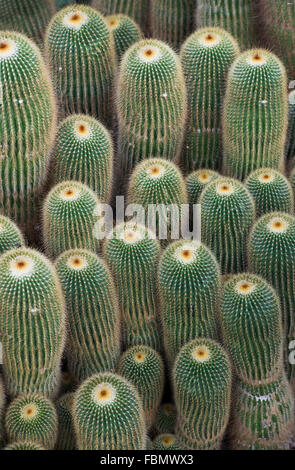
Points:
(206, 57)
(93, 314)
(136, 9)
(166, 442)
(227, 215)
(172, 20)
(143, 367)
(151, 104)
(66, 439)
(132, 252)
(202, 388)
(197, 181)
(255, 118)
(125, 33)
(32, 323)
(108, 415)
(32, 418)
(81, 53)
(165, 419)
(189, 283)
(10, 235)
(27, 128)
(84, 152)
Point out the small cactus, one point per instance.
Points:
(136, 9)
(166, 442)
(66, 439)
(125, 33)
(10, 235)
(290, 144)
(165, 419)
(197, 181)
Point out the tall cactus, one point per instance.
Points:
(206, 57)
(125, 33)
(66, 439)
(227, 216)
(197, 181)
(28, 124)
(84, 152)
(255, 114)
(136, 9)
(132, 253)
(81, 54)
(143, 367)
(202, 387)
(32, 323)
(93, 314)
(10, 235)
(151, 104)
(189, 284)
(108, 415)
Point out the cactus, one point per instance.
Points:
(71, 206)
(144, 368)
(227, 215)
(10, 235)
(165, 419)
(202, 385)
(27, 16)
(63, 3)
(2, 408)
(252, 328)
(189, 284)
(108, 415)
(292, 181)
(255, 114)
(166, 442)
(125, 33)
(32, 418)
(81, 54)
(132, 253)
(206, 57)
(67, 383)
(197, 181)
(270, 190)
(136, 9)
(93, 314)
(149, 444)
(272, 256)
(263, 416)
(235, 16)
(151, 104)
(172, 20)
(28, 122)
(84, 152)
(24, 446)
(31, 323)
(290, 144)
(66, 439)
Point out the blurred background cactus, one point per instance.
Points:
(136, 9)
(66, 439)
(125, 33)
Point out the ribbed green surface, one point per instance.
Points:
(136, 9)
(69, 217)
(32, 418)
(197, 181)
(166, 442)
(63, 3)
(125, 33)
(172, 21)
(206, 57)
(165, 419)
(270, 190)
(290, 148)
(202, 386)
(84, 152)
(93, 314)
(81, 54)
(66, 439)
(227, 216)
(189, 285)
(10, 235)
(255, 114)
(252, 327)
(108, 415)
(27, 128)
(32, 322)
(144, 368)
(2, 410)
(292, 181)
(235, 16)
(132, 255)
(24, 446)
(151, 104)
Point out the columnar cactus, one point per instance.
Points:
(27, 16)
(125, 33)
(32, 418)
(189, 284)
(290, 147)
(255, 114)
(151, 104)
(227, 215)
(202, 386)
(108, 415)
(81, 53)
(270, 190)
(84, 152)
(136, 9)
(172, 20)
(166, 442)
(73, 207)
(206, 57)
(272, 256)
(144, 368)
(25, 445)
(197, 181)
(93, 314)
(32, 323)
(10, 235)
(165, 419)
(132, 253)
(252, 328)
(28, 124)
(66, 439)
(235, 16)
